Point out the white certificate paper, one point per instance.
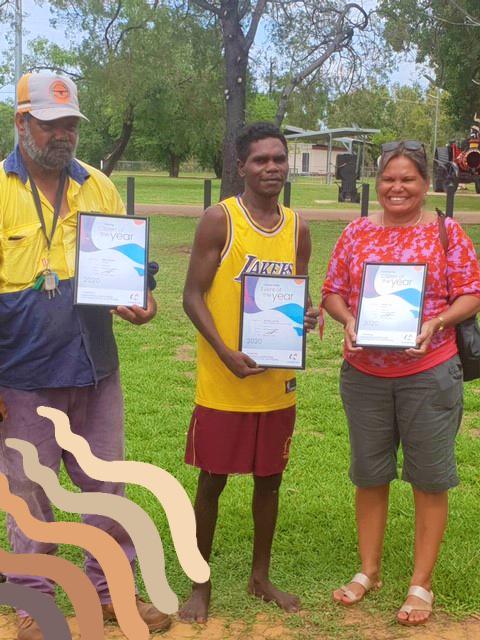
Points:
(273, 309)
(111, 263)
(391, 305)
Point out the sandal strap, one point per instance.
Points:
(408, 608)
(363, 580)
(353, 597)
(423, 594)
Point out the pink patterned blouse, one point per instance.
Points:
(448, 277)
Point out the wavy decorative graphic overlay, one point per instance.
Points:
(100, 544)
(133, 519)
(168, 491)
(40, 606)
(73, 581)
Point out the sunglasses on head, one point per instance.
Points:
(409, 145)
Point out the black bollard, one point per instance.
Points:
(130, 196)
(287, 193)
(365, 198)
(450, 200)
(207, 193)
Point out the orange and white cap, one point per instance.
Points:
(47, 96)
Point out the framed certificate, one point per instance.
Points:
(271, 320)
(391, 305)
(111, 260)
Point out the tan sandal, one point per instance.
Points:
(425, 596)
(365, 582)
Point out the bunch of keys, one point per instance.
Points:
(48, 282)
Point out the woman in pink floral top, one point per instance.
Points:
(412, 396)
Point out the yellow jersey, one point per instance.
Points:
(250, 248)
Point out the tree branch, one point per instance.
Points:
(207, 6)
(243, 9)
(124, 31)
(344, 32)
(110, 24)
(71, 74)
(256, 17)
(473, 21)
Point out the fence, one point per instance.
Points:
(287, 194)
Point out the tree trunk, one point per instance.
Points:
(121, 143)
(218, 164)
(173, 165)
(236, 61)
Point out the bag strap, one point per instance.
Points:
(442, 230)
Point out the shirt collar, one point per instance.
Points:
(14, 164)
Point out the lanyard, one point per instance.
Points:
(56, 208)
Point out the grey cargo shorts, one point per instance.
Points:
(423, 412)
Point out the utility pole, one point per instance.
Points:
(18, 52)
(437, 114)
(435, 128)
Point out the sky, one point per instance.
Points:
(36, 22)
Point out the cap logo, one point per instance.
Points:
(60, 92)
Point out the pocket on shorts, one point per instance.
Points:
(449, 379)
(345, 366)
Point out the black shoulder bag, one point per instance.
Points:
(468, 331)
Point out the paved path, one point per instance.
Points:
(195, 211)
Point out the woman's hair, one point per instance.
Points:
(417, 156)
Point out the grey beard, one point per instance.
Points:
(56, 155)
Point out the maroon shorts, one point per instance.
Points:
(226, 442)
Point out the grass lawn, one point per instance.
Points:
(308, 193)
(315, 546)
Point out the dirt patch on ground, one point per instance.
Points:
(180, 248)
(357, 624)
(216, 629)
(440, 627)
(185, 353)
(344, 215)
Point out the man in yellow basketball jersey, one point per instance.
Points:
(244, 415)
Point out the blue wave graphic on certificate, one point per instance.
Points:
(111, 260)
(273, 314)
(392, 297)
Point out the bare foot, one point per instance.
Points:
(265, 590)
(195, 608)
(416, 616)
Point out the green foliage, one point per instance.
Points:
(6, 129)
(446, 36)
(182, 114)
(400, 112)
(307, 106)
(155, 67)
(369, 107)
(261, 107)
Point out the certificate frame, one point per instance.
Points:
(264, 363)
(83, 216)
(415, 326)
